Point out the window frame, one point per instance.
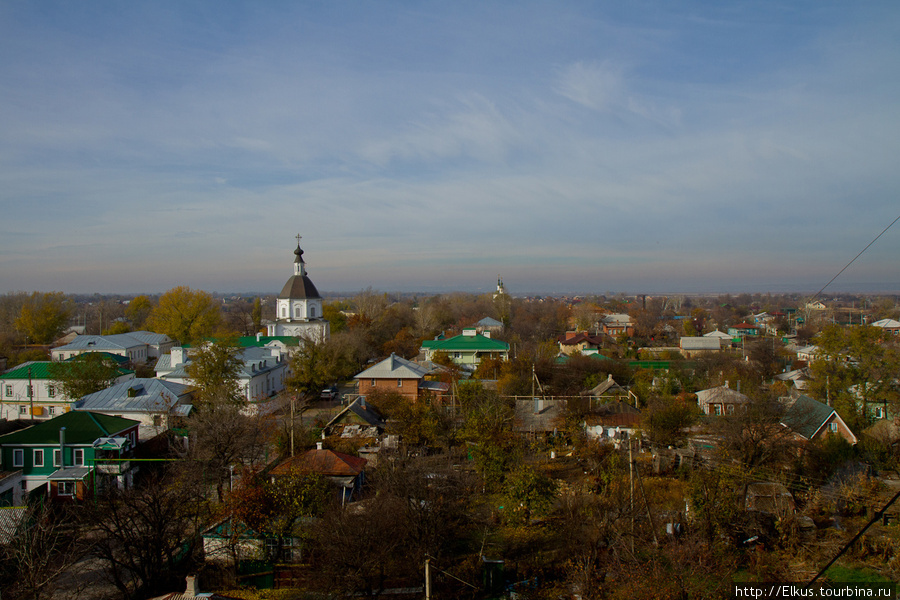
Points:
(18, 457)
(37, 458)
(69, 487)
(78, 457)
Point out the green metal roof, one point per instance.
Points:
(467, 343)
(806, 416)
(82, 427)
(41, 370)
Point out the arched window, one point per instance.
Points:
(298, 311)
(312, 311)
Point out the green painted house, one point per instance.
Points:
(69, 455)
(467, 349)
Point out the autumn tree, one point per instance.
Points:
(318, 364)
(85, 374)
(857, 368)
(667, 421)
(138, 310)
(222, 437)
(528, 491)
(256, 315)
(44, 316)
(215, 370)
(186, 315)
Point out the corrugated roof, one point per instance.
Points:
(325, 462)
(150, 395)
(82, 427)
(120, 341)
(41, 370)
(806, 416)
(467, 343)
(394, 367)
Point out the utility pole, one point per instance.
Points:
(631, 491)
(427, 579)
(30, 391)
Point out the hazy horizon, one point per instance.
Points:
(579, 146)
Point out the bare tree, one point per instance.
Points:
(142, 533)
(46, 543)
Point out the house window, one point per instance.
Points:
(832, 427)
(57, 458)
(730, 409)
(51, 410)
(9, 391)
(879, 412)
(157, 420)
(29, 390)
(51, 391)
(399, 383)
(23, 409)
(373, 383)
(38, 458)
(718, 410)
(79, 457)
(65, 488)
(19, 457)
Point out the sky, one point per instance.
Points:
(569, 147)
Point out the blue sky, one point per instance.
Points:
(569, 147)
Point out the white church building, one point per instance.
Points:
(298, 309)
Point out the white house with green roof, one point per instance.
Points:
(27, 391)
(468, 348)
(67, 456)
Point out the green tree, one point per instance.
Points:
(667, 421)
(85, 374)
(138, 310)
(318, 364)
(186, 315)
(256, 314)
(528, 491)
(44, 316)
(117, 328)
(215, 371)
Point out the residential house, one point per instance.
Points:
(810, 419)
(490, 325)
(692, 347)
(538, 417)
(397, 374)
(616, 324)
(154, 403)
(467, 349)
(798, 379)
(725, 339)
(613, 422)
(137, 346)
(606, 391)
(347, 472)
(28, 391)
(721, 400)
(357, 419)
(743, 330)
(262, 373)
(66, 456)
(808, 353)
(889, 326)
(574, 342)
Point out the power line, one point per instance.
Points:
(814, 296)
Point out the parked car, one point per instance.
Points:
(330, 393)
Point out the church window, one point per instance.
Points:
(298, 311)
(312, 311)
(284, 312)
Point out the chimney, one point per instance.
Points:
(62, 447)
(726, 384)
(319, 446)
(571, 334)
(192, 587)
(177, 356)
